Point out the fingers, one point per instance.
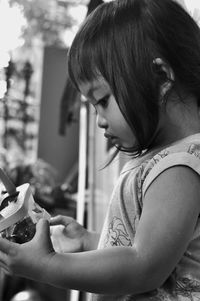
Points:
(7, 246)
(3, 261)
(61, 220)
(4, 269)
(54, 229)
(3, 258)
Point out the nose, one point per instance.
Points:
(101, 122)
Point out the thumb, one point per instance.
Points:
(42, 229)
(43, 234)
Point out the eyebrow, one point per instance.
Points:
(91, 91)
(90, 95)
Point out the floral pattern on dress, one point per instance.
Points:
(117, 234)
(194, 149)
(188, 289)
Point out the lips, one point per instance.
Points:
(110, 136)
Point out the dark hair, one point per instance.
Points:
(120, 40)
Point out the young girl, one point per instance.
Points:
(138, 64)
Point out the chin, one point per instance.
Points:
(126, 145)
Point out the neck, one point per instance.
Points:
(178, 120)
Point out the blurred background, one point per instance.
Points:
(48, 135)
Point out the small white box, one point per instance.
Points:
(19, 214)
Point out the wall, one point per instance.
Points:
(60, 151)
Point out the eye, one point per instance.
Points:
(103, 102)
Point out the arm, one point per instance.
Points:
(171, 208)
(69, 236)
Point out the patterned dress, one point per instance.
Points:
(124, 213)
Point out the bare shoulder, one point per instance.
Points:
(177, 184)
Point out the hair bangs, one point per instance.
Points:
(89, 55)
(81, 65)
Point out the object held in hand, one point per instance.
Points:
(18, 212)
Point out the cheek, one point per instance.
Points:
(127, 135)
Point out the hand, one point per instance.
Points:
(31, 259)
(67, 235)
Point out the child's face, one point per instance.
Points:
(109, 116)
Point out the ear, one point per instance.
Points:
(170, 77)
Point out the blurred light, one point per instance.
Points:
(22, 296)
(11, 23)
(192, 5)
(78, 13)
(2, 88)
(4, 59)
(68, 36)
(74, 1)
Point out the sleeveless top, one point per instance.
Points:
(124, 213)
